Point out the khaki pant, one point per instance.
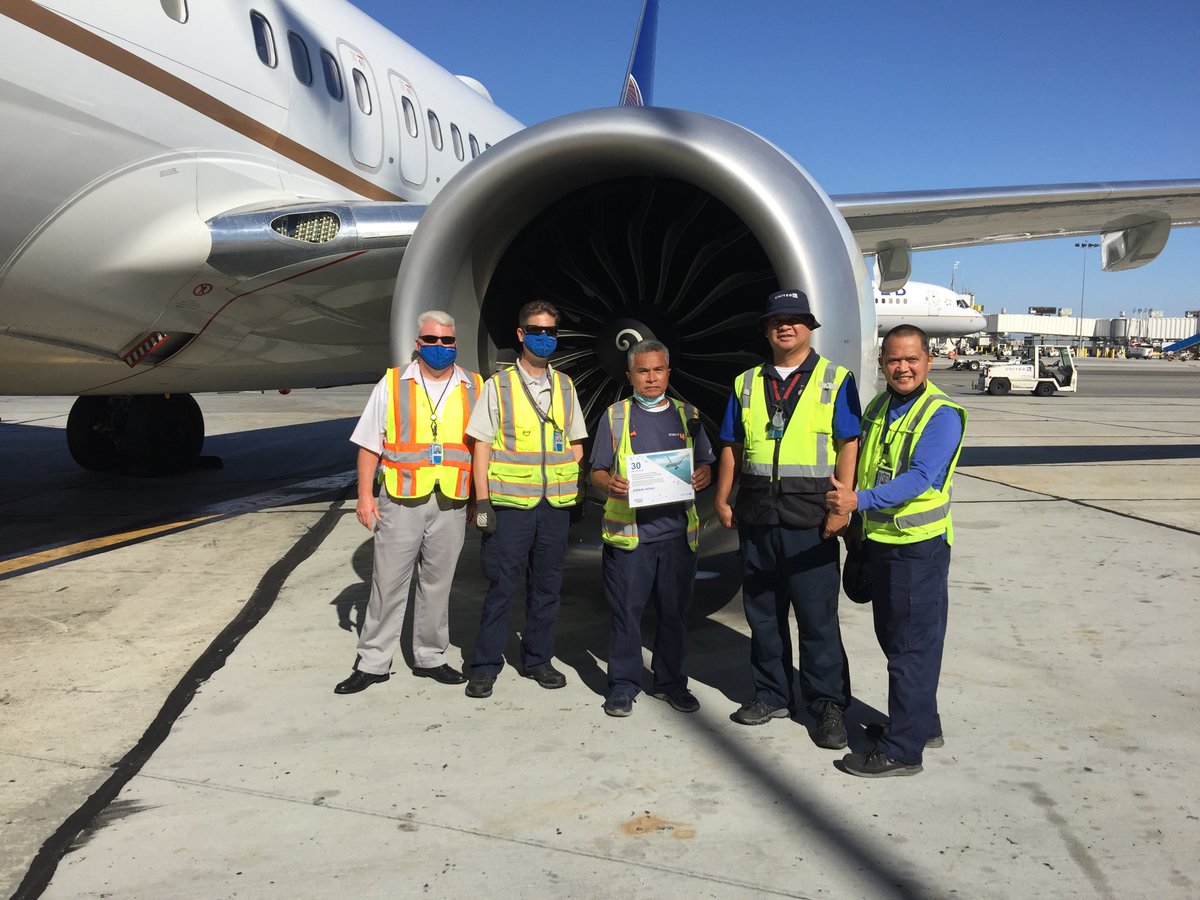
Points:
(420, 537)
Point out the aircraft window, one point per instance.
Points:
(362, 91)
(176, 9)
(456, 139)
(474, 146)
(410, 116)
(301, 64)
(333, 75)
(435, 130)
(264, 39)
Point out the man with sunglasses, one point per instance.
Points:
(528, 431)
(414, 425)
(790, 425)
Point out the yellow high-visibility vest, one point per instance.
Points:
(928, 514)
(408, 467)
(803, 459)
(524, 467)
(620, 519)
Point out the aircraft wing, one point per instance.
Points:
(1133, 218)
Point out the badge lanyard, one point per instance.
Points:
(559, 438)
(777, 421)
(435, 449)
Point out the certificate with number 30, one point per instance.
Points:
(658, 478)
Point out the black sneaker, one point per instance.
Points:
(682, 700)
(876, 764)
(547, 676)
(480, 685)
(831, 727)
(876, 732)
(619, 705)
(758, 712)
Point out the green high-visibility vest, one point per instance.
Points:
(620, 519)
(524, 467)
(928, 514)
(804, 458)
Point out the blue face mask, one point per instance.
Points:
(541, 345)
(438, 356)
(648, 402)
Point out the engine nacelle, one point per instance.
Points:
(636, 223)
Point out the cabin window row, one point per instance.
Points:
(264, 44)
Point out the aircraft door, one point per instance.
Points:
(413, 154)
(366, 111)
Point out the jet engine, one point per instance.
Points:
(636, 223)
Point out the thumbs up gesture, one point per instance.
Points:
(841, 499)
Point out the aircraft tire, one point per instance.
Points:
(164, 433)
(999, 387)
(94, 434)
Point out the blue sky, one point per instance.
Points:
(880, 96)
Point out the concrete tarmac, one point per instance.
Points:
(169, 727)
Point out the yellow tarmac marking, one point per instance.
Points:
(57, 554)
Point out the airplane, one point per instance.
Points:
(939, 311)
(226, 196)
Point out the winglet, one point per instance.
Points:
(639, 77)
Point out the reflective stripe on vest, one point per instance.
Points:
(928, 514)
(407, 469)
(523, 466)
(806, 453)
(619, 527)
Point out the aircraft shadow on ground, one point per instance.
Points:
(1075, 453)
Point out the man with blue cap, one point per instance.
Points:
(791, 425)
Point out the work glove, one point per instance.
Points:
(485, 517)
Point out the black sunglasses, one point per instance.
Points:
(551, 330)
(447, 339)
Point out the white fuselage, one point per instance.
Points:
(126, 131)
(939, 311)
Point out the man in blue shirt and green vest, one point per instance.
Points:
(649, 550)
(790, 425)
(912, 435)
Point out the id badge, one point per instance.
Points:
(883, 476)
(435, 454)
(775, 429)
(559, 442)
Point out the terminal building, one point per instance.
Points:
(1094, 337)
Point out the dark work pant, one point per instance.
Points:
(666, 571)
(910, 594)
(793, 569)
(530, 542)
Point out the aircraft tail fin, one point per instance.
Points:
(638, 89)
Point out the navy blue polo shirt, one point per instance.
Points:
(650, 431)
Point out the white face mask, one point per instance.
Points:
(648, 402)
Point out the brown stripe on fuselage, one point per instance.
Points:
(78, 38)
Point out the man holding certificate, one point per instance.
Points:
(650, 457)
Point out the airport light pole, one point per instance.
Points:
(1085, 245)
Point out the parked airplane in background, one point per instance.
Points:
(205, 196)
(939, 311)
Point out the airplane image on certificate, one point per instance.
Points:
(658, 478)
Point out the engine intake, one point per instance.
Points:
(636, 223)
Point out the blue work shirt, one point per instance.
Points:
(650, 431)
(930, 458)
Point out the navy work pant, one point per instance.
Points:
(793, 569)
(666, 571)
(533, 543)
(910, 594)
